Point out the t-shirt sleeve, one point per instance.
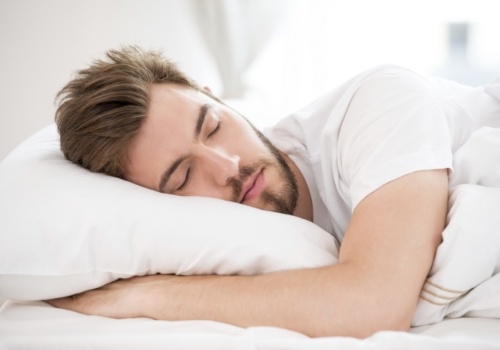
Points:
(396, 124)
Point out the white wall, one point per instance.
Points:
(43, 42)
(322, 43)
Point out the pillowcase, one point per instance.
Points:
(65, 230)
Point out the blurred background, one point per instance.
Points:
(266, 58)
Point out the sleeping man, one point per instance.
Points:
(369, 162)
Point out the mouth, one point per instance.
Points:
(253, 187)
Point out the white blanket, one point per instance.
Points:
(465, 278)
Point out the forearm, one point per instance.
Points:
(287, 300)
(335, 300)
(307, 301)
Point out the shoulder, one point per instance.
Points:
(393, 78)
(386, 87)
(390, 71)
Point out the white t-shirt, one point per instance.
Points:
(382, 124)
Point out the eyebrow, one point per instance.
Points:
(197, 130)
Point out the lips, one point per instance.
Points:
(253, 186)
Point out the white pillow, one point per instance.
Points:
(64, 230)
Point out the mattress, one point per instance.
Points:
(37, 325)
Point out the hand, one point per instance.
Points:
(123, 298)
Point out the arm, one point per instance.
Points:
(385, 257)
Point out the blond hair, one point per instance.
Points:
(101, 110)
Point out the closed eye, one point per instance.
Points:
(217, 128)
(186, 180)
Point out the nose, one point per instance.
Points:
(221, 165)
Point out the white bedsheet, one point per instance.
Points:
(37, 325)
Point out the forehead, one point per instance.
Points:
(168, 99)
(168, 127)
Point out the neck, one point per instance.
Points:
(304, 208)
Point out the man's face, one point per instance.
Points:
(191, 145)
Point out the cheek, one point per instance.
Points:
(142, 170)
(246, 143)
(250, 151)
(201, 187)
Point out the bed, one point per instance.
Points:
(36, 325)
(64, 230)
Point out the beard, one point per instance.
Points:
(282, 200)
